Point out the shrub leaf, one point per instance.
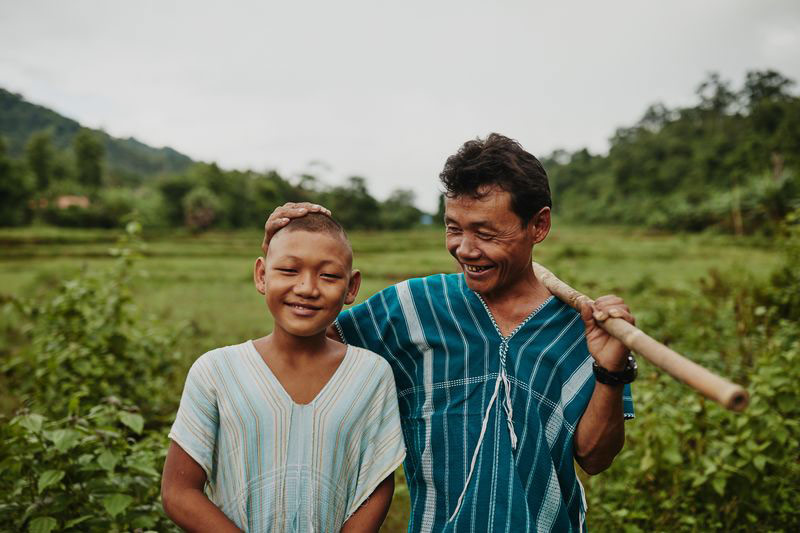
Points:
(42, 524)
(116, 503)
(49, 478)
(132, 420)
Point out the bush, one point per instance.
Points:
(708, 469)
(201, 208)
(88, 341)
(95, 472)
(86, 452)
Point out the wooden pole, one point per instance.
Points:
(728, 394)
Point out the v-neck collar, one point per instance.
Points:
(490, 316)
(339, 369)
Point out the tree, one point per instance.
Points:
(353, 206)
(40, 156)
(88, 158)
(201, 209)
(399, 211)
(16, 189)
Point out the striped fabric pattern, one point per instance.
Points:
(274, 465)
(453, 369)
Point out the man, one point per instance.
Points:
(495, 377)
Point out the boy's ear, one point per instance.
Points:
(258, 275)
(352, 289)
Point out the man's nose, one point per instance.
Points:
(467, 249)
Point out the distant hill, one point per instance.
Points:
(125, 157)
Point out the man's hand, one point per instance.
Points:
(600, 434)
(283, 214)
(609, 352)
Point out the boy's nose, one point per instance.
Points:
(306, 286)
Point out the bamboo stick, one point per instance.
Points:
(728, 394)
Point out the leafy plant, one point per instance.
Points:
(94, 472)
(89, 341)
(709, 469)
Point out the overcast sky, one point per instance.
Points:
(386, 90)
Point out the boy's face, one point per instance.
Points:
(306, 279)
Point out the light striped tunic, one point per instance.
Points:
(457, 375)
(274, 465)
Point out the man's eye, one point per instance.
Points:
(484, 236)
(453, 229)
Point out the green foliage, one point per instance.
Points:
(710, 469)
(88, 159)
(352, 204)
(128, 159)
(201, 208)
(86, 452)
(89, 472)
(88, 342)
(16, 190)
(730, 162)
(399, 211)
(40, 156)
(158, 187)
(192, 277)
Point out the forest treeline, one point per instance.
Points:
(73, 188)
(729, 162)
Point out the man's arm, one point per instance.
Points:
(372, 513)
(183, 498)
(600, 434)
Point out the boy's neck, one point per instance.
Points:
(295, 349)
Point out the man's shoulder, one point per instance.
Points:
(416, 289)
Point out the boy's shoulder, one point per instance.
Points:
(368, 358)
(213, 358)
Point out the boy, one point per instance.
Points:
(293, 431)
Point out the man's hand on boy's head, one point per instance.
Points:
(281, 216)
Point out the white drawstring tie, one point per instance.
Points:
(502, 377)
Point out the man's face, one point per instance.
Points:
(488, 240)
(306, 279)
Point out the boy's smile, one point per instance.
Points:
(306, 278)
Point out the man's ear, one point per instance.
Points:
(259, 269)
(352, 288)
(540, 225)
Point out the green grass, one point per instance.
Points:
(206, 280)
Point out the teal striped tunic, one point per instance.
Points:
(470, 399)
(274, 465)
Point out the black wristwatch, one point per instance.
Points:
(624, 376)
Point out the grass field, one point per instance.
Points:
(206, 280)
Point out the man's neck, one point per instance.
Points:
(513, 304)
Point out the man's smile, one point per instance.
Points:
(476, 269)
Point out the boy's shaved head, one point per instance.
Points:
(319, 223)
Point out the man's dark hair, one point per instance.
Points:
(502, 162)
